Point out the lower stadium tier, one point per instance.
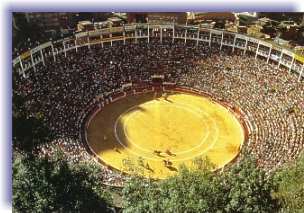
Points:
(153, 134)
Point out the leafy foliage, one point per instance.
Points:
(28, 130)
(247, 189)
(243, 189)
(43, 185)
(290, 186)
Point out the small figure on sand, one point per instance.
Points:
(147, 166)
(157, 152)
(116, 149)
(168, 152)
(167, 163)
(165, 96)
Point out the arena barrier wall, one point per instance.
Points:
(142, 88)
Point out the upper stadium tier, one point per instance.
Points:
(137, 32)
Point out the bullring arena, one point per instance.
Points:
(151, 130)
(152, 97)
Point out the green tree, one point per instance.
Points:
(44, 185)
(290, 186)
(244, 188)
(189, 191)
(28, 130)
(247, 189)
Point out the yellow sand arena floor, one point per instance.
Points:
(142, 131)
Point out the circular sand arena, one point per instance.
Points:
(153, 134)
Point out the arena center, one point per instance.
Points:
(147, 99)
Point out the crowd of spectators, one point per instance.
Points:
(271, 97)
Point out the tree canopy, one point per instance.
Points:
(290, 186)
(244, 188)
(28, 130)
(44, 185)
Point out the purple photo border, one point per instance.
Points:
(123, 6)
